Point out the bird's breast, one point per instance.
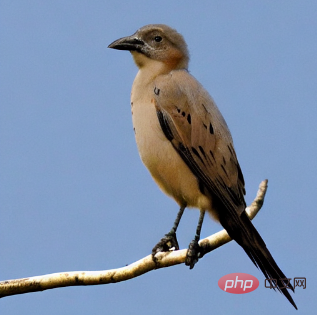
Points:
(157, 153)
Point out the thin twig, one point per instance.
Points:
(164, 259)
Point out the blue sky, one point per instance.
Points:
(74, 193)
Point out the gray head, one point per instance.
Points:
(158, 42)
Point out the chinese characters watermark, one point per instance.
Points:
(286, 283)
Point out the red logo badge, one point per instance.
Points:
(238, 283)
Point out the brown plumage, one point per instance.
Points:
(186, 145)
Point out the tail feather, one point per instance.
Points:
(241, 229)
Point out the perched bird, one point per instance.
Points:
(186, 145)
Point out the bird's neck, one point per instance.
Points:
(150, 68)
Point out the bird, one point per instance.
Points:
(186, 145)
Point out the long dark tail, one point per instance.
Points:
(244, 233)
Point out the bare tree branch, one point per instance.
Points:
(164, 259)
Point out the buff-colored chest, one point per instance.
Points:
(157, 153)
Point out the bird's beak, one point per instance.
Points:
(131, 43)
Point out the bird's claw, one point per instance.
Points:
(194, 253)
(167, 243)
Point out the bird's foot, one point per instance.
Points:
(194, 253)
(167, 243)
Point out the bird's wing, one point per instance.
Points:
(193, 124)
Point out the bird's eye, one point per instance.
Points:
(158, 39)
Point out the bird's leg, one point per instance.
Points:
(194, 251)
(169, 241)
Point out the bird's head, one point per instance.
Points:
(157, 42)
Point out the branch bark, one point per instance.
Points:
(164, 259)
